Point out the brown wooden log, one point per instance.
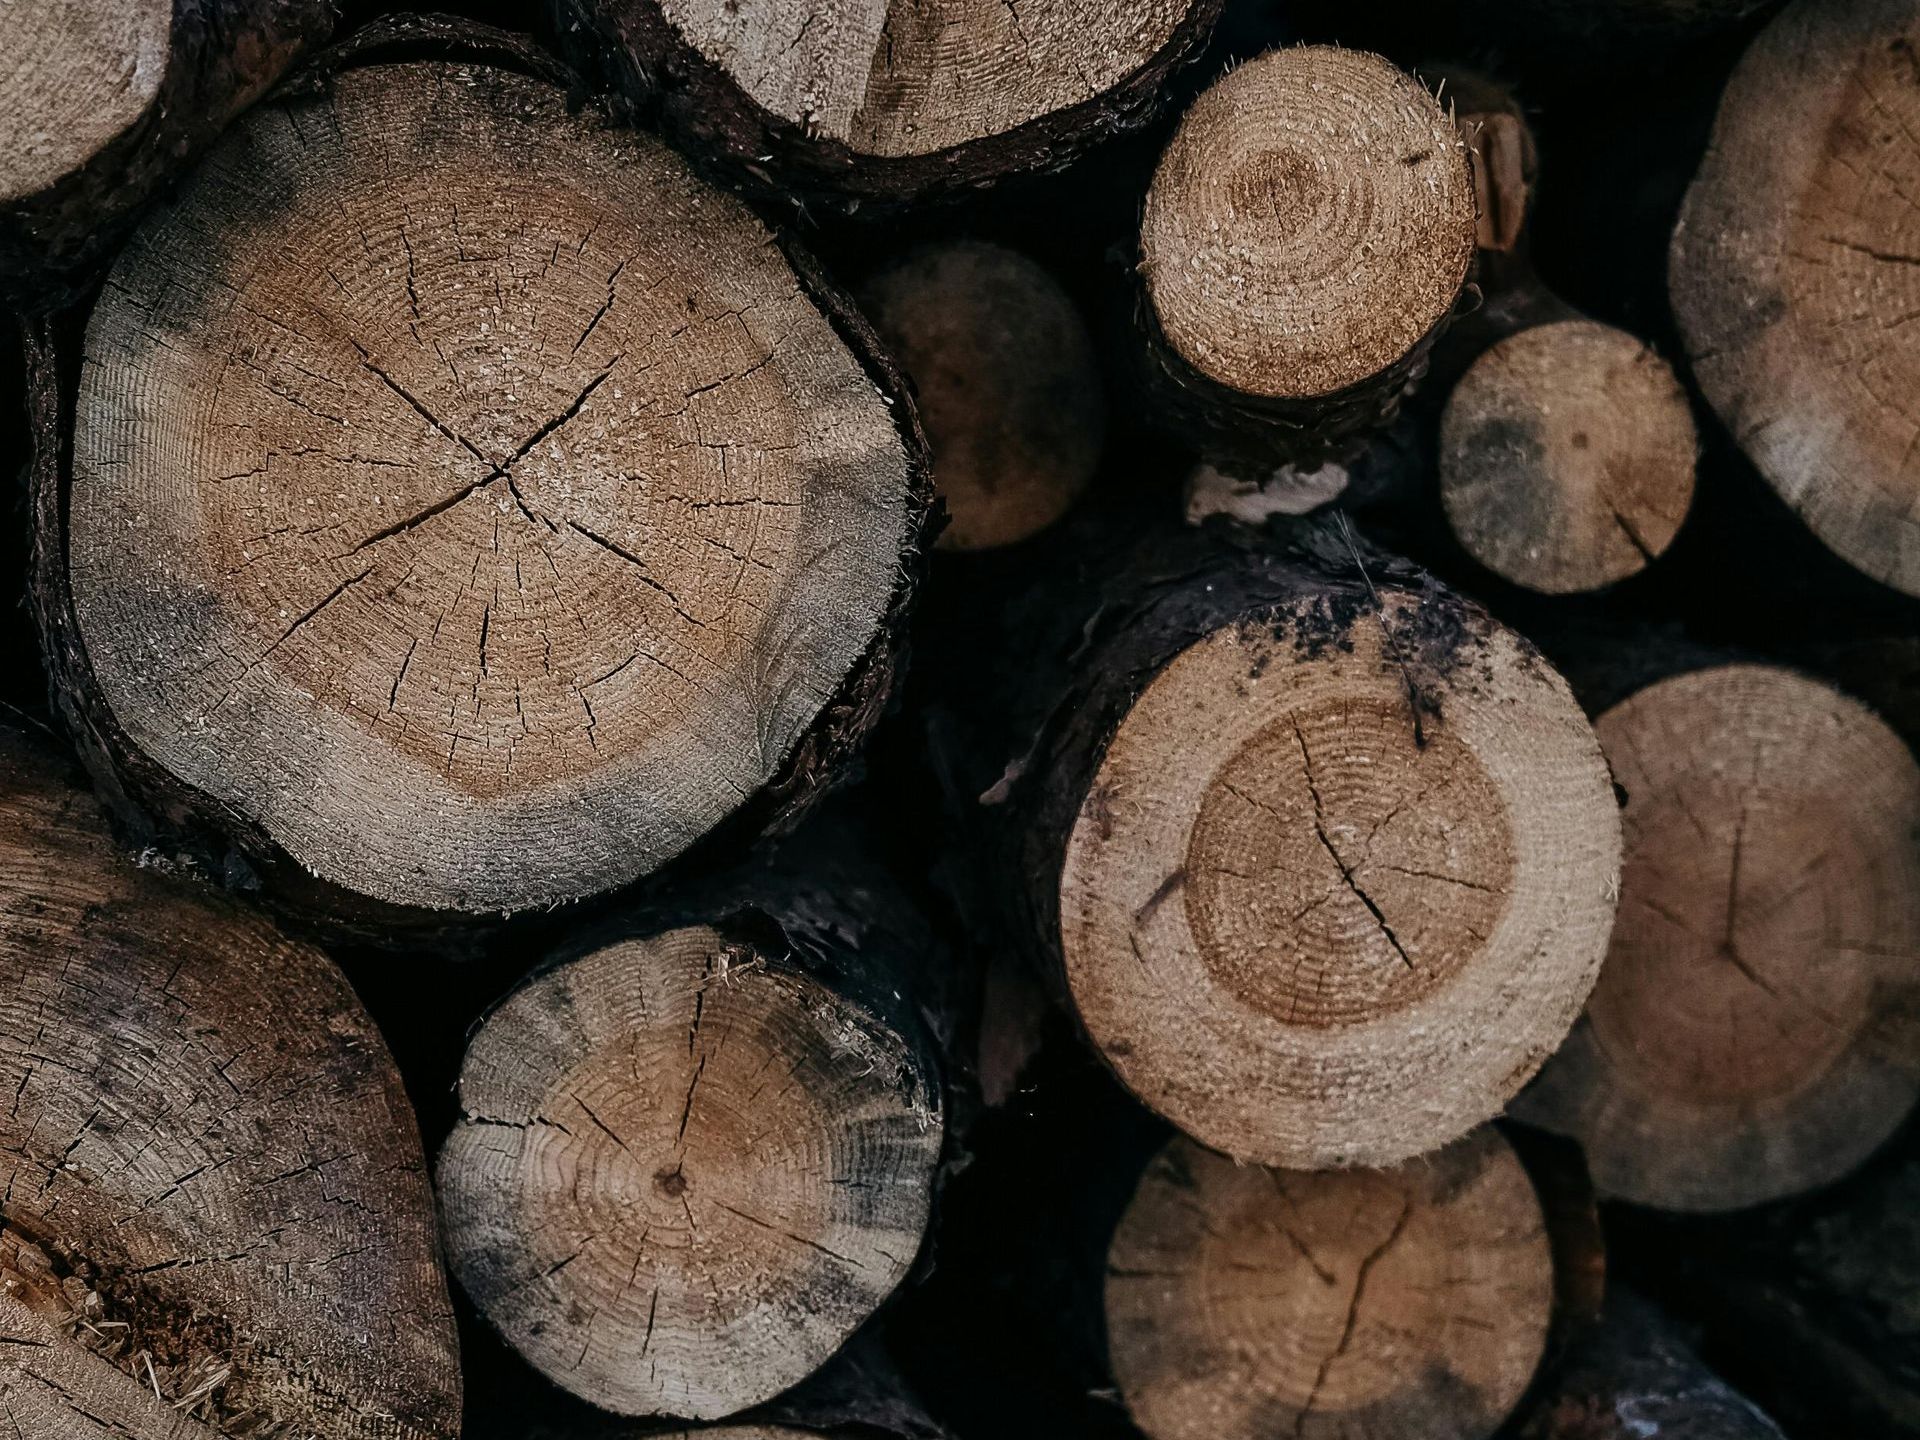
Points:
(1411, 1302)
(467, 505)
(1007, 383)
(697, 1152)
(1749, 1037)
(1634, 1376)
(1300, 834)
(874, 103)
(1792, 268)
(1306, 238)
(1567, 447)
(216, 1213)
(102, 104)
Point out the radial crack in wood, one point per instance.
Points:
(216, 1216)
(686, 1171)
(1744, 1041)
(1245, 1302)
(1795, 273)
(474, 501)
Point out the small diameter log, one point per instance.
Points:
(691, 1162)
(854, 102)
(1403, 1304)
(216, 1214)
(1634, 1377)
(470, 504)
(1007, 381)
(1744, 1041)
(1567, 447)
(1306, 237)
(1324, 855)
(1792, 268)
(103, 101)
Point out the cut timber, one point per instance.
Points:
(1306, 236)
(1567, 457)
(889, 100)
(1404, 1304)
(1634, 1377)
(217, 1217)
(1744, 1040)
(102, 101)
(1794, 263)
(473, 505)
(690, 1164)
(1310, 839)
(1008, 385)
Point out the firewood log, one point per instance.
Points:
(872, 103)
(1006, 380)
(102, 104)
(216, 1213)
(1792, 273)
(697, 1152)
(1749, 1036)
(467, 505)
(1306, 237)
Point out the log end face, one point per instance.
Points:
(1310, 225)
(1567, 457)
(1740, 1044)
(1007, 383)
(1244, 1302)
(685, 1173)
(1340, 862)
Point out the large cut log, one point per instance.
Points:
(102, 102)
(1007, 381)
(468, 504)
(1793, 270)
(856, 102)
(1307, 236)
(216, 1217)
(699, 1151)
(1750, 1035)
(1404, 1304)
(1567, 446)
(1632, 1377)
(1320, 855)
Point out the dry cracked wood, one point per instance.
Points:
(1309, 835)
(1306, 237)
(103, 101)
(1007, 382)
(860, 101)
(692, 1161)
(1404, 1304)
(216, 1214)
(1746, 1039)
(1796, 267)
(470, 503)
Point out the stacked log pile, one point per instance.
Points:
(928, 719)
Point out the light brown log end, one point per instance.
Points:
(1744, 1041)
(1403, 1304)
(685, 1173)
(1567, 457)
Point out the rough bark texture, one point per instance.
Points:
(216, 1215)
(179, 69)
(208, 804)
(697, 1152)
(839, 147)
(1247, 346)
(1635, 1378)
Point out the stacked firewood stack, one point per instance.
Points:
(1178, 719)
